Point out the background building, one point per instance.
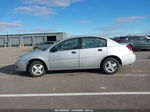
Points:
(29, 39)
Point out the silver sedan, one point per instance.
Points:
(78, 53)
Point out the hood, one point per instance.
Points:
(32, 53)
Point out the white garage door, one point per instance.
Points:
(2, 42)
(15, 41)
(39, 39)
(27, 41)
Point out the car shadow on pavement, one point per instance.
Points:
(10, 70)
(71, 72)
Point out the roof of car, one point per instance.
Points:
(86, 36)
(83, 37)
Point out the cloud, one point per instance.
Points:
(42, 8)
(37, 30)
(110, 28)
(131, 19)
(52, 3)
(40, 11)
(83, 22)
(5, 26)
(147, 32)
(109, 34)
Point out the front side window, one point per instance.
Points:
(93, 42)
(68, 45)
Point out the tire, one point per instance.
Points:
(110, 66)
(36, 69)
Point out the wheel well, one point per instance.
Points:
(36, 60)
(119, 60)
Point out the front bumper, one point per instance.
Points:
(20, 65)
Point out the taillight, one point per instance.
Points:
(120, 41)
(129, 47)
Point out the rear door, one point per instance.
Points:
(93, 50)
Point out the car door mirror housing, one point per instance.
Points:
(54, 49)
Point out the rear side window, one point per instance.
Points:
(93, 42)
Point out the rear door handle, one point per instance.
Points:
(73, 52)
(100, 50)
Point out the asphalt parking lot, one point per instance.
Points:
(128, 89)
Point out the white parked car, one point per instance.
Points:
(78, 53)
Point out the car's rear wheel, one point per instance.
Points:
(110, 66)
(36, 69)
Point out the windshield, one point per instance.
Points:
(44, 49)
(45, 43)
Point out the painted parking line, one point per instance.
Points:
(131, 75)
(9, 52)
(3, 77)
(7, 64)
(143, 60)
(74, 94)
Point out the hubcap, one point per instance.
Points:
(38, 69)
(111, 66)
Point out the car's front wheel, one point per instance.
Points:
(36, 69)
(110, 66)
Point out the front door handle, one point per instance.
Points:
(100, 50)
(73, 52)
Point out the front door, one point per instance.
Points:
(66, 55)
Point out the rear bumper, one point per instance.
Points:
(128, 59)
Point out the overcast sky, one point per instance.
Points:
(76, 17)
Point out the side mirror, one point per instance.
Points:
(54, 49)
